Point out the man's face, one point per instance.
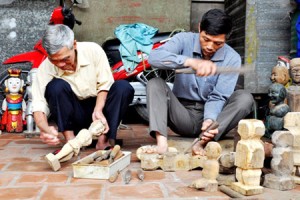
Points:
(210, 44)
(64, 59)
(295, 74)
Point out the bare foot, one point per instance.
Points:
(198, 148)
(102, 143)
(162, 145)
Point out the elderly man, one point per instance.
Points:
(75, 85)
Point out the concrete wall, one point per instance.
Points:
(262, 33)
(21, 24)
(103, 16)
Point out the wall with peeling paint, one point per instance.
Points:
(103, 16)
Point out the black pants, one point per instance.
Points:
(70, 113)
(185, 117)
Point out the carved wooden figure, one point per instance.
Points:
(249, 157)
(13, 105)
(280, 74)
(282, 162)
(293, 91)
(72, 147)
(292, 123)
(277, 108)
(210, 170)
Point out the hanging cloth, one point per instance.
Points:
(133, 38)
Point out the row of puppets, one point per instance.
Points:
(16, 113)
(284, 95)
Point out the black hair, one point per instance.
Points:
(216, 22)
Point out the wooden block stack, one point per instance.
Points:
(249, 158)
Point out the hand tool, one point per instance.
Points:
(140, 174)
(220, 70)
(113, 153)
(114, 177)
(213, 125)
(90, 159)
(230, 192)
(127, 176)
(103, 156)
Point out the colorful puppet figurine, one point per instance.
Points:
(13, 105)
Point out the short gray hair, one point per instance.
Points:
(56, 37)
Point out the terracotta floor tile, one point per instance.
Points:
(88, 191)
(136, 191)
(41, 179)
(178, 189)
(20, 193)
(13, 136)
(29, 167)
(4, 142)
(24, 174)
(5, 179)
(2, 165)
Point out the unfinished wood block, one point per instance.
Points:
(250, 157)
(246, 189)
(292, 123)
(282, 162)
(293, 96)
(250, 150)
(210, 170)
(53, 161)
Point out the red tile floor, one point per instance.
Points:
(24, 174)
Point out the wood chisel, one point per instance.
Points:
(213, 125)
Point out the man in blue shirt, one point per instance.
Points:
(197, 100)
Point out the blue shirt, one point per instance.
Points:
(212, 90)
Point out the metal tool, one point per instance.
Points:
(213, 125)
(140, 174)
(127, 176)
(220, 70)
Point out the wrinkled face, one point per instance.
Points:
(14, 85)
(274, 94)
(211, 43)
(65, 58)
(295, 74)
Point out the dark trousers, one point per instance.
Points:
(70, 113)
(185, 117)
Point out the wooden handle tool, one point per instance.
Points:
(113, 153)
(220, 70)
(213, 125)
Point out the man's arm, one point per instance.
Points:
(98, 110)
(48, 134)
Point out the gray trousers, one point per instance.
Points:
(185, 117)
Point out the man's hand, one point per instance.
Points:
(202, 67)
(98, 115)
(208, 136)
(50, 136)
